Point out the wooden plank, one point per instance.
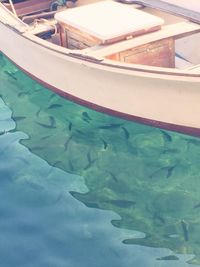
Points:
(170, 7)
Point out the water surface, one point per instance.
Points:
(80, 188)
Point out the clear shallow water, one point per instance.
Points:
(80, 188)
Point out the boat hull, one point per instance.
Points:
(162, 100)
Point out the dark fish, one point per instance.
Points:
(52, 121)
(113, 177)
(70, 126)
(159, 218)
(38, 112)
(184, 226)
(110, 126)
(121, 203)
(59, 162)
(166, 136)
(91, 205)
(51, 125)
(12, 131)
(19, 118)
(105, 144)
(71, 167)
(23, 160)
(197, 206)
(80, 132)
(54, 106)
(10, 74)
(84, 119)
(45, 137)
(3, 132)
(126, 133)
(35, 186)
(169, 171)
(22, 94)
(53, 95)
(193, 141)
(36, 148)
(170, 151)
(86, 116)
(168, 258)
(90, 161)
(45, 125)
(66, 144)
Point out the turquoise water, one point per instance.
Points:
(80, 188)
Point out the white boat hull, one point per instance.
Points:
(168, 101)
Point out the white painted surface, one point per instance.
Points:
(108, 19)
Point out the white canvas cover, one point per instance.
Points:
(108, 19)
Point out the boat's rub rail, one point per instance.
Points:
(174, 31)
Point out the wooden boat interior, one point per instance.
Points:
(173, 44)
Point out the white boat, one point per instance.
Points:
(139, 61)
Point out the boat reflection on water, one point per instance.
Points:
(149, 177)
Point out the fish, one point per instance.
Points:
(173, 150)
(18, 118)
(70, 126)
(11, 131)
(10, 74)
(45, 137)
(35, 186)
(52, 121)
(168, 258)
(51, 125)
(86, 116)
(197, 206)
(110, 126)
(113, 177)
(159, 218)
(23, 93)
(2, 133)
(126, 133)
(23, 160)
(184, 226)
(168, 169)
(166, 136)
(121, 203)
(71, 167)
(91, 205)
(38, 112)
(54, 106)
(105, 144)
(36, 148)
(66, 144)
(57, 163)
(193, 141)
(90, 161)
(80, 132)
